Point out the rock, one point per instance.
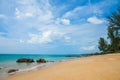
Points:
(12, 70)
(41, 61)
(25, 60)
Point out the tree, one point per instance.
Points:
(113, 30)
(113, 34)
(114, 19)
(102, 45)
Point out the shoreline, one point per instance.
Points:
(82, 61)
(34, 68)
(37, 67)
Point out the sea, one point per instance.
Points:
(8, 61)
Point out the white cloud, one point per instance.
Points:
(65, 21)
(45, 37)
(21, 41)
(95, 20)
(20, 15)
(82, 12)
(31, 9)
(23, 1)
(67, 39)
(73, 12)
(2, 16)
(34, 23)
(88, 48)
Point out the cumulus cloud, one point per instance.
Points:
(95, 20)
(46, 37)
(88, 48)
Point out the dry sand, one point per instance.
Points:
(102, 67)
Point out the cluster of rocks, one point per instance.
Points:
(27, 60)
(41, 61)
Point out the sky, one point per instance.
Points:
(53, 26)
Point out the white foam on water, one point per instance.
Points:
(39, 66)
(36, 67)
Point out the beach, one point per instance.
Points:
(99, 67)
(8, 62)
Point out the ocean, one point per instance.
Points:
(8, 61)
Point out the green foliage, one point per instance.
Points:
(113, 34)
(103, 45)
(113, 31)
(114, 19)
(112, 38)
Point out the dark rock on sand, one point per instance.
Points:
(41, 61)
(25, 60)
(12, 70)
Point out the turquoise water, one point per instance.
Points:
(11, 57)
(8, 61)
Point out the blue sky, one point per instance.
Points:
(53, 26)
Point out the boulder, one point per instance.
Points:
(25, 60)
(41, 61)
(12, 70)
